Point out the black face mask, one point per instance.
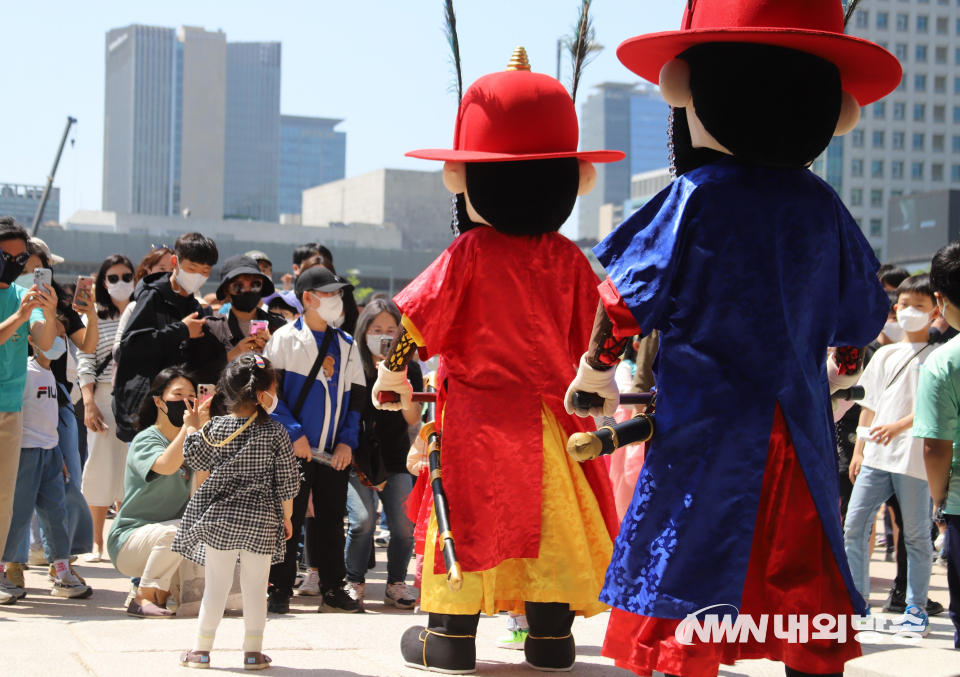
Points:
(11, 270)
(246, 301)
(175, 412)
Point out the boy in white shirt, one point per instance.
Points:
(890, 461)
(41, 475)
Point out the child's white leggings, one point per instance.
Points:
(218, 577)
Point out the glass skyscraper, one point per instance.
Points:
(21, 203)
(311, 154)
(251, 175)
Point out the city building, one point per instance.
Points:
(627, 117)
(416, 202)
(251, 173)
(311, 154)
(920, 224)
(21, 203)
(908, 142)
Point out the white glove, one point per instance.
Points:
(590, 380)
(392, 381)
(838, 382)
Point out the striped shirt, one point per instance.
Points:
(87, 364)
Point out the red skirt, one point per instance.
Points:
(792, 570)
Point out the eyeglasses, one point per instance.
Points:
(240, 287)
(126, 277)
(19, 259)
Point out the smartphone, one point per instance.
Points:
(43, 277)
(385, 344)
(206, 391)
(863, 432)
(257, 326)
(84, 284)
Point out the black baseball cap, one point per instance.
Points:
(258, 255)
(238, 265)
(319, 278)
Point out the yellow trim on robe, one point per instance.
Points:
(575, 548)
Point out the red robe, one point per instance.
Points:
(511, 315)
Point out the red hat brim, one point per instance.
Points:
(867, 70)
(447, 155)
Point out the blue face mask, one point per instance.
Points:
(57, 350)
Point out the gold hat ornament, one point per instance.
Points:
(518, 61)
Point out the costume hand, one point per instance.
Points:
(301, 448)
(342, 457)
(855, 464)
(591, 380)
(194, 325)
(92, 418)
(392, 381)
(883, 434)
(287, 529)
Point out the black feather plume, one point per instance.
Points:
(851, 8)
(580, 44)
(450, 30)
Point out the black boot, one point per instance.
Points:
(550, 646)
(447, 645)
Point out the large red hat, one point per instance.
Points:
(516, 115)
(867, 70)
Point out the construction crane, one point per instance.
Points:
(53, 172)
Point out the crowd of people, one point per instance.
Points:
(240, 424)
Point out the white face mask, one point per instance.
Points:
(330, 308)
(190, 282)
(911, 319)
(25, 281)
(893, 331)
(273, 405)
(121, 291)
(374, 342)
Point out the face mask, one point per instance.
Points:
(373, 343)
(330, 308)
(175, 412)
(57, 350)
(273, 405)
(911, 319)
(11, 273)
(190, 282)
(120, 291)
(25, 281)
(246, 301)
(893, 331)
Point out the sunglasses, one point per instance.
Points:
(126, 277)
(240, 287)
(19, 259)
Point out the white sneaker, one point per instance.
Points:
(383, 539)
(356, 591)
(913, 620)
(6, 598)
(93, 557)
(37, 558)
(7, 586)
(70, 586)
(311, 584)
(398, 595)
(938, 543)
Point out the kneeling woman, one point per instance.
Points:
(157, 490)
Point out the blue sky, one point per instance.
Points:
(381, 65)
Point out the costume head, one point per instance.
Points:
(515, 155)
(767, 81)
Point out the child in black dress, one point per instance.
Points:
(249, 479)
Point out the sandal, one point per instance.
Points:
(254, 660)
(195, 659)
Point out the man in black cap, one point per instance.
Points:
(229, 336)
(322, 393)
(263, 262)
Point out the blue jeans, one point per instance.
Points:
(360, 508)
(40, 487)
(871, 489)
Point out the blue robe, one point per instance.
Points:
(749, 273)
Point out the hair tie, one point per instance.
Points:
(259, 361)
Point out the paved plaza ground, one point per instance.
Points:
(45, 635)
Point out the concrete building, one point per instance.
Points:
(416, 202)
(908, 142)
(21, 203)
(311, 154)
(919, 225)
(251, 173)
(627, 117)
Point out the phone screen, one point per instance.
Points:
(385, 344)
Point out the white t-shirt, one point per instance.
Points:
(893, 400)
(39, 408)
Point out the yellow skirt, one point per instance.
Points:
(575, 549)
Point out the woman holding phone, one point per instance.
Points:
(106, 460)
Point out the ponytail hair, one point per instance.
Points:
(240, 382)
